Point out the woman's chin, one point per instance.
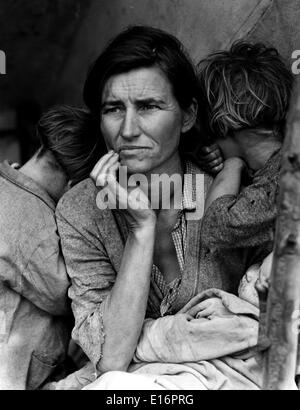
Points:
(136, 166)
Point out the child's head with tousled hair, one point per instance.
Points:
(246, 87)
(70, 135)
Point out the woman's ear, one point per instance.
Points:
(189, 116)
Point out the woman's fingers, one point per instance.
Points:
(109, 167)
(103, 168)
(197, 308)
(102, 161)
(110, 162)
(98, 167)
(204, 313)
(112, 170)
(132, 199)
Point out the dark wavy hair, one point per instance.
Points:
(140, 47)
(248, 86)
(69, 133)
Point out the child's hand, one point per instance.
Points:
(210, 159)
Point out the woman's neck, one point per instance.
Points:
(162, 182)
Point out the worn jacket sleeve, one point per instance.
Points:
(92, 277)
(45, 279)
(245, 220)
(41, 277)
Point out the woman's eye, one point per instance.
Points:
(111, 110)
(148, 107)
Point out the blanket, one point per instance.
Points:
(186, 351)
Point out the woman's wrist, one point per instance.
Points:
(145, 228)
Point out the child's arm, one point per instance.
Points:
(227, 182)
(244, 219)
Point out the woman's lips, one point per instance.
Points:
(131, 150)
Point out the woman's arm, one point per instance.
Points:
(125, 306)
(109, 307)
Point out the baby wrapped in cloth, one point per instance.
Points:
(208, 345)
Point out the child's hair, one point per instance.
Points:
(69, 134)
(248, 86)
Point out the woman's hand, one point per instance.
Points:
(209, 307)
(210, 159)
(132, 200)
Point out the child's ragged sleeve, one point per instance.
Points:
(243, 220)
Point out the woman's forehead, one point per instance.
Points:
(142, 83)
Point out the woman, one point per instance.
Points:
(135, 261)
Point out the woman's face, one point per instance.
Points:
(142, 120)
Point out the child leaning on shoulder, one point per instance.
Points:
(247, 91)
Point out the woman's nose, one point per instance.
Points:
(130, 127)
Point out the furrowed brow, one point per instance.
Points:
(111, 103)
(150, 100)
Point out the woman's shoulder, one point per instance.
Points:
(82, 194)
(80, 202)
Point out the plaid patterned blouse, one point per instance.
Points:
(169, 291)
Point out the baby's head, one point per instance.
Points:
(247, 87)
(255, 280)
(247, 289)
